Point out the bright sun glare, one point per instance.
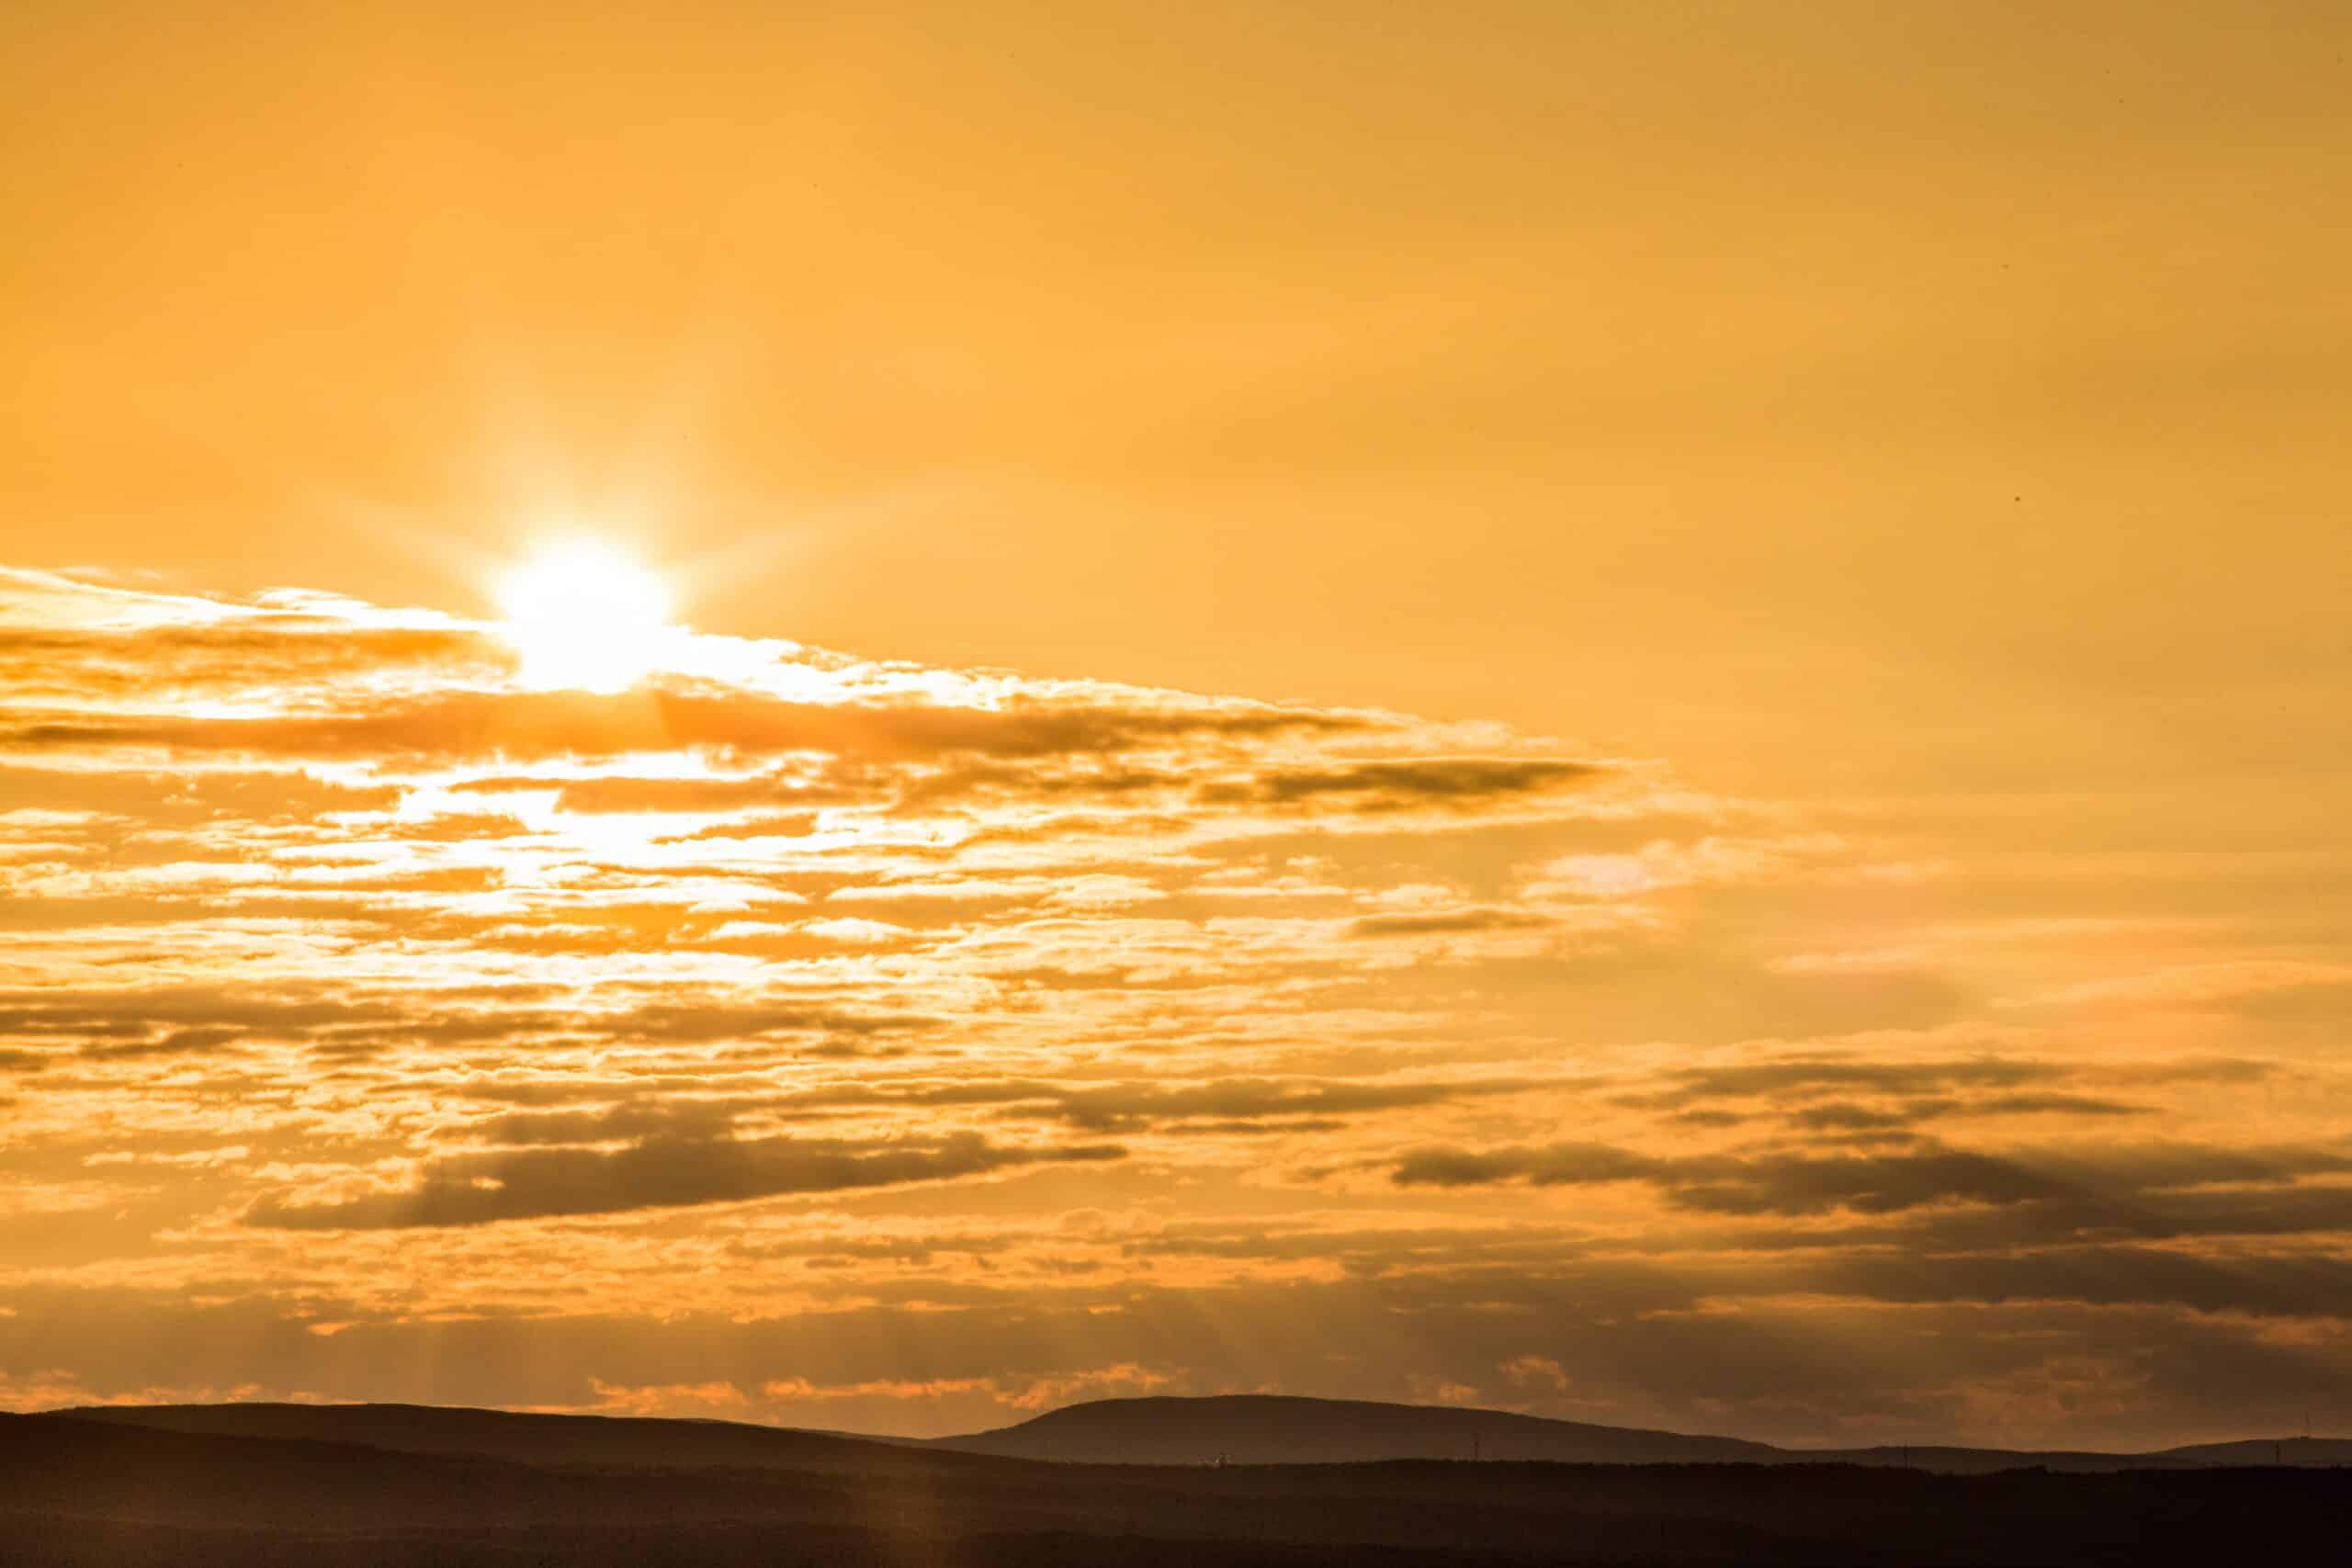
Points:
(585, 616)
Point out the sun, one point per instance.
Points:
(587, 617)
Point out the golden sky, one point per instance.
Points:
(1631, 710)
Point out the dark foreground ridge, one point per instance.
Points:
(379, 1484)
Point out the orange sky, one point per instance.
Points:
(1631, 710)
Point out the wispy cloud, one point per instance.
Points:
(355, 997)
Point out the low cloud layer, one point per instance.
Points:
(805, 1038)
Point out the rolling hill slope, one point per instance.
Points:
(527, 1439)
(1241, 1429)
(1278, 1429)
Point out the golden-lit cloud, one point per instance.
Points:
(365, 991)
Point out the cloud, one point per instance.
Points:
(267, 653)
(659, 1173)
(1444, 922)
(1395, 786)
(2094, 1190)
(536, 726)
(1847, 1116)
(1127, 1106)
(353, 995)
(1803, 1076)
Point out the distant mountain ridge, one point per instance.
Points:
(1256, 1429)
(1240, 1429)
(1287, 1429)
(528, 1437)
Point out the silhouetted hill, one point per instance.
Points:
(2325, 1454)
(1280, 1429)
(1243, 1429)
(108, 1494)
(534, 1439)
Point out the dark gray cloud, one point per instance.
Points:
(2088, 1192)
(1838, 1115)
(1800, 1076)
(1133, 1105)
(168, 1021)
(820, 785)
(525, 726)
(1393, 785)
(1221, 1104)
(200, 1014)
(665, 1171)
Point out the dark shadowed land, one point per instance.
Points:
(408, 1485)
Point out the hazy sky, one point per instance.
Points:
(1678, 750)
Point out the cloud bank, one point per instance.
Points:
(372, 1026)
